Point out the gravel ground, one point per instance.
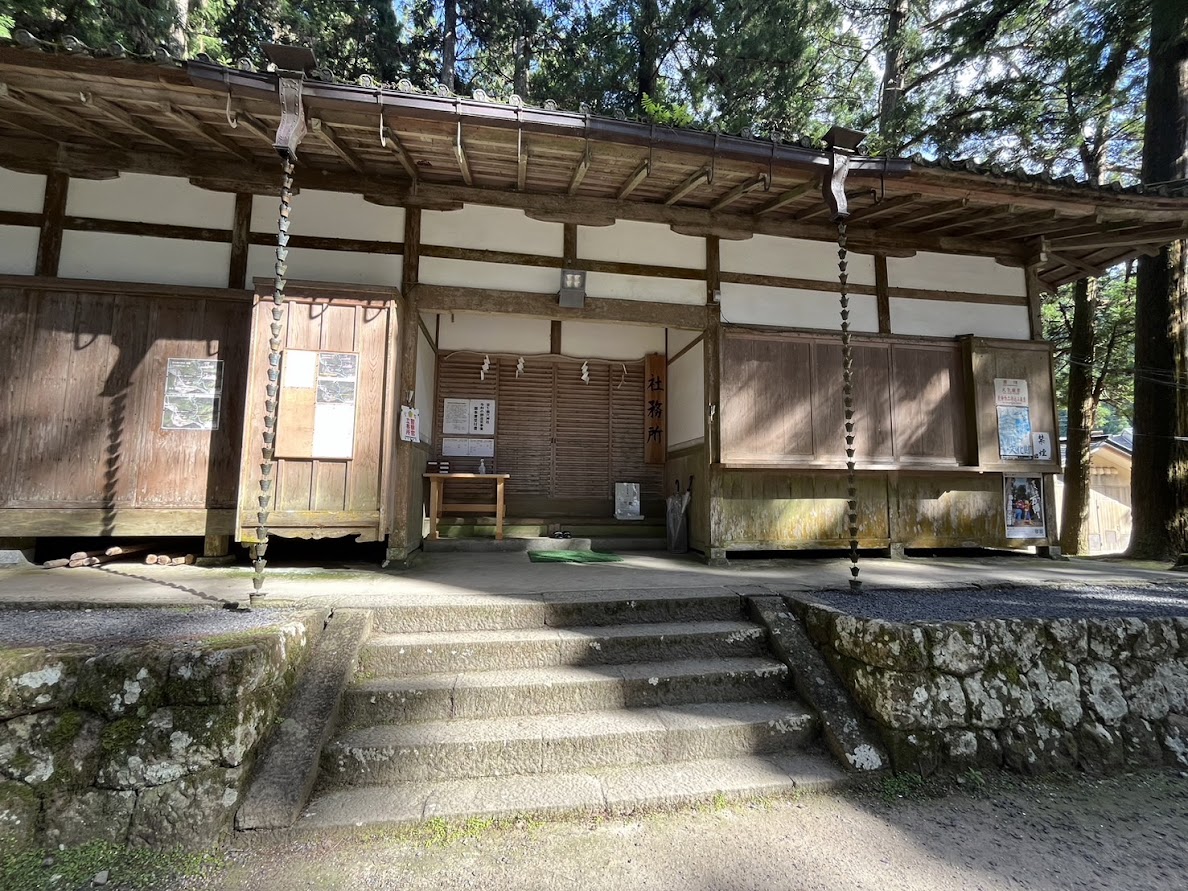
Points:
(1082, 601)
(60, 626)
(1127, 833)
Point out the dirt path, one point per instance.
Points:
(1127, 833)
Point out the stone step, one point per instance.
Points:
(614, 789)
(558, 610)
(425, 652)
(560, 743)
(561, 689)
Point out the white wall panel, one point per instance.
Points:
(686, 398)
(492, 229)
(18, 250)
(140, 198)
(607, 340)
(485, 333)
(326, 266)
(679, 338)
(794, 258)
(501, 276)
(791, 308)
(132, 258)
(949, 272)
(333, 214)
(426, 385)
(628, 241)
(643, 287)
(22, 192)
(940, 318)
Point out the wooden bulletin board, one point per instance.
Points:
(316, 414)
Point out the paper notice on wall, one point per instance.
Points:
(1041, 446)
(193, 389)
(482, 448)
(482, 417)
(1010, 391)
(454, 447)
(455, 416)
(299, 369)
(334, 430)
(410, 423)
(1014, 431)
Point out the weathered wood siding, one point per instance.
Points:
(322, 498)
(83, 376)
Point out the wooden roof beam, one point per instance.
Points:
(937, 210)
(700, 177)
(27, 102)
(248, 122)
(35, 128)
(1121, 239)
(326, 133)
(1074, 263)
(885, 206)
(117, 113)
(1022, 223)
(823, 208)
(392, 139)
(207, 132)
(579, 172)
(641, 173)
(786, 198)
(740, 190)
(961, 222)
(460, 155)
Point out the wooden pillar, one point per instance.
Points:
(53, 213)
(241, 235)
(883, 294)
(1035, 300)
(403, 539)
(715, 553)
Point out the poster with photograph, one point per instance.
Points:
(1023, 502)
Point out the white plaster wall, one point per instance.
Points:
(686, 398)
(326, 266)
(643, 287)
(628, 241)
(332, 214)
(679, 338)
(22, 192)
(501, 276)
(794, 258)
(486, 333)
(950, 272)
(430, 321)
(138, 197)
(18, 250)
(426, 385)
(607, 340)
(132, 258)
(492, 229)
(791, 308)
(940, 318)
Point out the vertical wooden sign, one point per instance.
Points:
(655, 408)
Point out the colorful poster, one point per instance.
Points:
(1014, 431)
(1023, 502)
(193, 390)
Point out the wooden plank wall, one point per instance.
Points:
(315, 498)
(682, 464)
(80, 406)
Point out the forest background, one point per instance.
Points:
(1091, 90)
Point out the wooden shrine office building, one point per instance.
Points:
(574, 301)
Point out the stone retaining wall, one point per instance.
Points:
(146, 745)
(1029, 695)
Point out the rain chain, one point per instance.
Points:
(848, 398)
(272, 388)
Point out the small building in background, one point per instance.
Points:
(1109, 491)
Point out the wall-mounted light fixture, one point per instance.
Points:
(573, 288)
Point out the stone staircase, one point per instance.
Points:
(568, 702)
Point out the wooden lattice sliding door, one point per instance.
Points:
(565, 442)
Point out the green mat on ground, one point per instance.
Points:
(572, 557)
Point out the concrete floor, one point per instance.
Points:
(438, 577)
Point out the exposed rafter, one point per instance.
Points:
(760, 181)
(1024, 223)
(633, 181)
(822, 209)
(793, 194)
(1010, 210)
(883, 207)
(1074, 263)
(1160, 235)
(579, 172)
(27, 101)
(697, 179)
(254, 126)
(937, 210)
(392, 138)
(117, 113)
(208, 133)
(326, 133)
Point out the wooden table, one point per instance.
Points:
(437, 485)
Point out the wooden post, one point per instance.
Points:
(715, 553)
(216, 545)
(1035, 300)
(53, 212)
(241, 234)
(403, 539)
(882, 293)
